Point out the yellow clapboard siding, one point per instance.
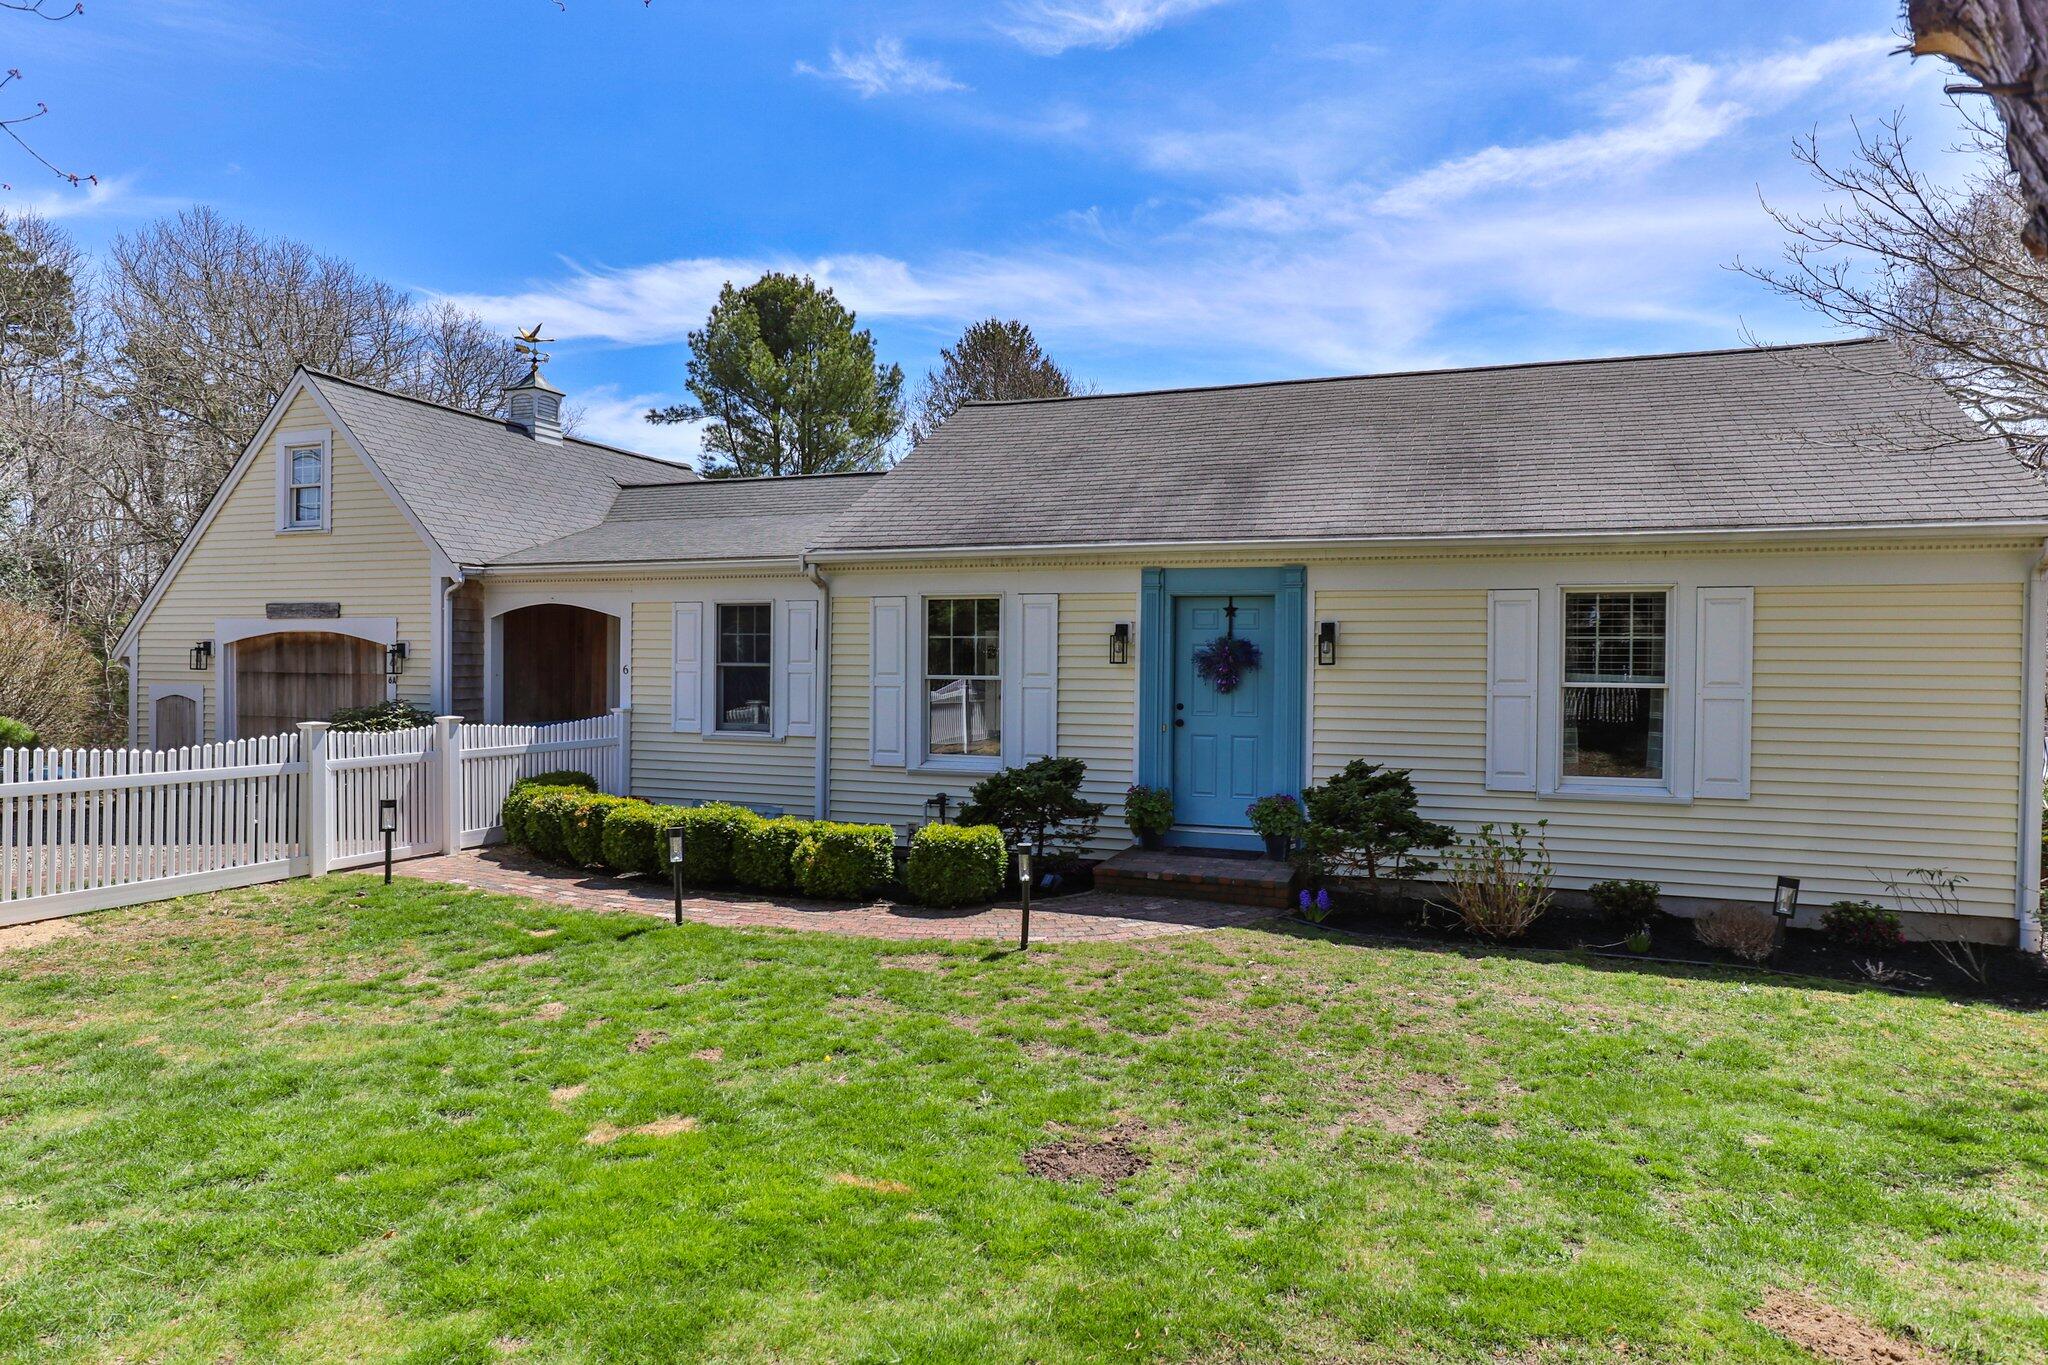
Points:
(371, 561)
(1885, 737)
(668, 766)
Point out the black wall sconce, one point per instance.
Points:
(1326, 642)
(201, 657)
(395, 657)
(1120, 643)
(1785, 903)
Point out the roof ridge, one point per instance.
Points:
(705, 482)
(1839, 342)
(499, 422)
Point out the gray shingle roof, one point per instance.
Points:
(712, 519)
(1835, 434)
(482, 487)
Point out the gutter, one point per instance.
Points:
(2033, 702)
(821, 759)
(630, 568)
(445, 662)
(1501, 539)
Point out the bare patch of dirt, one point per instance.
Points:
(1106, 1160)
(36, 935)
(1832, 1335)
(542, 933)
(551, 1011)
(646, 1040)
(923, 962)
(562, 1096)
(709, 1054)
(516, 960)
(861, 1182)
(606, 1133)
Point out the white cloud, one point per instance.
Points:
(884, 69)
(109, 198)
(1672, 106)
(605, 415)
(1054, 26)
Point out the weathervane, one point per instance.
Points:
(528, 343)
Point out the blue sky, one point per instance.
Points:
(1169, 191)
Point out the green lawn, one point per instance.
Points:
(335, 1121)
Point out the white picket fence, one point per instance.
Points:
(496, 756)
(89, 829)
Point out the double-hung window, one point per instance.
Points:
(305, 491)
(963, 703)
(1615, 686)
(745, 662)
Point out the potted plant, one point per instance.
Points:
(1149, 813)
(1279, 821)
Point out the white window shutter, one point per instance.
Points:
(1721, 685)
(1511, 681)
(888, 661)
(799, 669)
(1038, 675)
(686, 671)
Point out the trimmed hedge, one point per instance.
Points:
(708, 836)
(583, 825)
(547, 815)
(764, 853)
(636, 838)
(845, 862)
(956, 864)
(564, 777)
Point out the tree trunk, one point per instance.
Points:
(2003, 45)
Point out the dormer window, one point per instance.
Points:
(304, 476)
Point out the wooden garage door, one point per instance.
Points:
(281, 680)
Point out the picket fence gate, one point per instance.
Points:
(90, 829)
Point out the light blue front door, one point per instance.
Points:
(1222, 743)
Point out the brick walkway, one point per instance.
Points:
(1094, 917)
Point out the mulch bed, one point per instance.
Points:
(2014, 978)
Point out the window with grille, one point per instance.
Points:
(745, 660)
(1615, 663)
(963, 677)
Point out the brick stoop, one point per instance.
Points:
(1196, 874)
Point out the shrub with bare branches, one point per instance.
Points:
(1498, 884)
(1749, 933)
(49, 681)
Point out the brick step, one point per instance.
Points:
(1190, 874)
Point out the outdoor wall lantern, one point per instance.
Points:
(1326, 642)
(1120, 643)
(676, 836)
(1785, 903)
(935, 809)
(395, 657)
(201, 657)
(387, 825)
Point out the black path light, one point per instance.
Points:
(1024, 896)
(935, 809)
(1785, 903)
(677, 839)
(387, 825)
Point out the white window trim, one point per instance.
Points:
(922, 759)
(287, 442)
(712, 666)
(1676, 784)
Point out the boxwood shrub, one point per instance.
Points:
(956, 864)
(583, 826)
(708, 841)
(764, 853)
(564, 777)
(636, 838)
(845, 862)
(546, 823)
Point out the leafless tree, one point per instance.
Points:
(2003, 46)
(53, 13)
(1937, 266)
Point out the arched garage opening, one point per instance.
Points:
(557, 662)
(293, 676)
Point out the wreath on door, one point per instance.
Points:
(1223, 662)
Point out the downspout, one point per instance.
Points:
(821, 777)
(2032, 755)
(446, 661)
